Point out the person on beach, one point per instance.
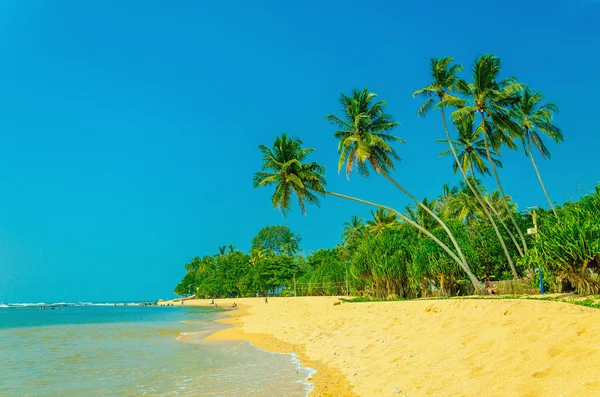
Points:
(267, 298)
(493, 290)
(234, 305)
(213, 301)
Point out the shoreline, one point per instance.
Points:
(324, 381)
(462, 347)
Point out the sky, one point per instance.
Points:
(129, 129)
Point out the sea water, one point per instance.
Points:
(107, 350)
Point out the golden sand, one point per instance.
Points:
(466, 347)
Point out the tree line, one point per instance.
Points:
(450, 243)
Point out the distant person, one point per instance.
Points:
(267, 298)
(213, 301)
(234, 305)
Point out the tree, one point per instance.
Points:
(491, 99)
(381, 219)
(276, 239)
(444, 83)
(535, 118)
(289, 174)
(364, 134)
(304, 178)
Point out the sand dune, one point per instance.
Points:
(431, 347)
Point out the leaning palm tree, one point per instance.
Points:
(364, 134)
(443, 85)
(284, 168)
(491, 99)
(535, 118)
(470, 156)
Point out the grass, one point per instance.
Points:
(589, 301)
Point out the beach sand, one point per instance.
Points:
(453, 347)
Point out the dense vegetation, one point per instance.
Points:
(441, 246)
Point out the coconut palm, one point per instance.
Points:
(222, 249)
(420, 216)
(352, 229)
(443, 85)
(364, 133)
(291, 176)
(470, 150)
(535, 118)
(382, 219)
(491, 99)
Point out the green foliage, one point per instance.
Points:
(277, 240)
(569, 247)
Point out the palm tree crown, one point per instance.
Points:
(443, 81)
(533, 117)
(470, 149)
(364, 134)
(283, 167)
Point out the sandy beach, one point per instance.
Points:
(467, 347)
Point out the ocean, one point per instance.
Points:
(107, 350)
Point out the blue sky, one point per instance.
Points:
(129, 129)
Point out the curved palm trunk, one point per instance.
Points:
(464, 266)
(479, 200)
(538, 174)
(489, 156)
(437, 218)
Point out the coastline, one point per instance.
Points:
(462, 347)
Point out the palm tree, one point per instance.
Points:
(492, 100)
(222, 249)
(290, 175)
(471, 159)
(533, 117)
(420, 216)
(230, 249)
(364, 134)
(445, 82)
(352, 228)
(382, 219)
(307, 181)
(469, 149)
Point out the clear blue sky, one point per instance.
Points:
(129, 128)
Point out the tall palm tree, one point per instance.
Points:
(230, 249)
(491, 99)
(470, 157)
(364, 133)
(535, 118)
(443, 85)
(222, 249)
(289, 174)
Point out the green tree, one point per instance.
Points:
(276, 239)
(364, 134)
(304, 178)
(443, 85)
(535, 118)
(491, 99)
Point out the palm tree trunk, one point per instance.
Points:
(538, 174)
(464, 266)
(489, 156)
(479, 200)
(437, 218)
